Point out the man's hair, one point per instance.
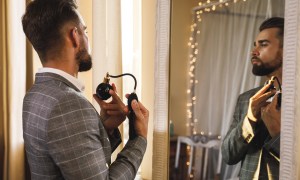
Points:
(43, 20)
(274, 22)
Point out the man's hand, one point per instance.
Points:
(257, 102)
(271, 116)
(141, 118)
(112, 113)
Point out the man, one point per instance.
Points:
(65, 138)
(254, 135)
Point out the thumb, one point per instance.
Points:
(136, 108)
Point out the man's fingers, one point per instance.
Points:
(114, 87)
(114, 113)
(139, 109)
(274, 103)
(136, 108)
(99, 101)
(262, 90)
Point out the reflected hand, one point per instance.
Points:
(271, 116)
(112, 113)
(258, 101)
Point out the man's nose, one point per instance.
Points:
(255, 52)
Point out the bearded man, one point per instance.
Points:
(65, 137)
(254, 135)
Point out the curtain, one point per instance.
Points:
(12, 89)
(220, 67)
(106, 45)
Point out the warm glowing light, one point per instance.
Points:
(193, 54)
(192, 68)
(214, 7)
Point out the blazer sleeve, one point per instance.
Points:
(79, 145)
(272, 145)
(234, 146)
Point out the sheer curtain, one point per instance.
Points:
(220, 67)
(12, 89)
(117, 47)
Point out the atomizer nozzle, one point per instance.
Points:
(106, 78)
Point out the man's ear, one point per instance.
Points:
(74, 35)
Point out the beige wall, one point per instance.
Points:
(181, 20)
(85, 9)
(148, 56)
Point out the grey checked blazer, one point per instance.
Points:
(65, 138)
(235, 148)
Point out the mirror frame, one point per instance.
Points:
(291, 102)
(160, 160)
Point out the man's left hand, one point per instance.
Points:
(271, 116)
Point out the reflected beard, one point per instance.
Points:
(262, 70)
(84, 60)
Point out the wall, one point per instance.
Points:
(181, 20)
(148, 51)
(85, 9)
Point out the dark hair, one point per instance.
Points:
(274, 22)
(43, 20)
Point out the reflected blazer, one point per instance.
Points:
(65, 138)
(259, 155)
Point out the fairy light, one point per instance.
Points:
(206, 6)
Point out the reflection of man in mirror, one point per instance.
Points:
(254, 135)
(65, 137)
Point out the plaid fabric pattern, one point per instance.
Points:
(65, 138)
(260, 157)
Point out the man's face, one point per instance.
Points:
(267, 53)
(83, 56)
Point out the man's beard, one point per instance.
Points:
(263, 69)
(84, 60)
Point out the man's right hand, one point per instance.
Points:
(258, 101)
(141, 118)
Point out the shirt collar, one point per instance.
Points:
(76, 82)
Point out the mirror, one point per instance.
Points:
(209, 67)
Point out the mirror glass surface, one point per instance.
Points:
(209, 67)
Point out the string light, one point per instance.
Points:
(206, 6)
